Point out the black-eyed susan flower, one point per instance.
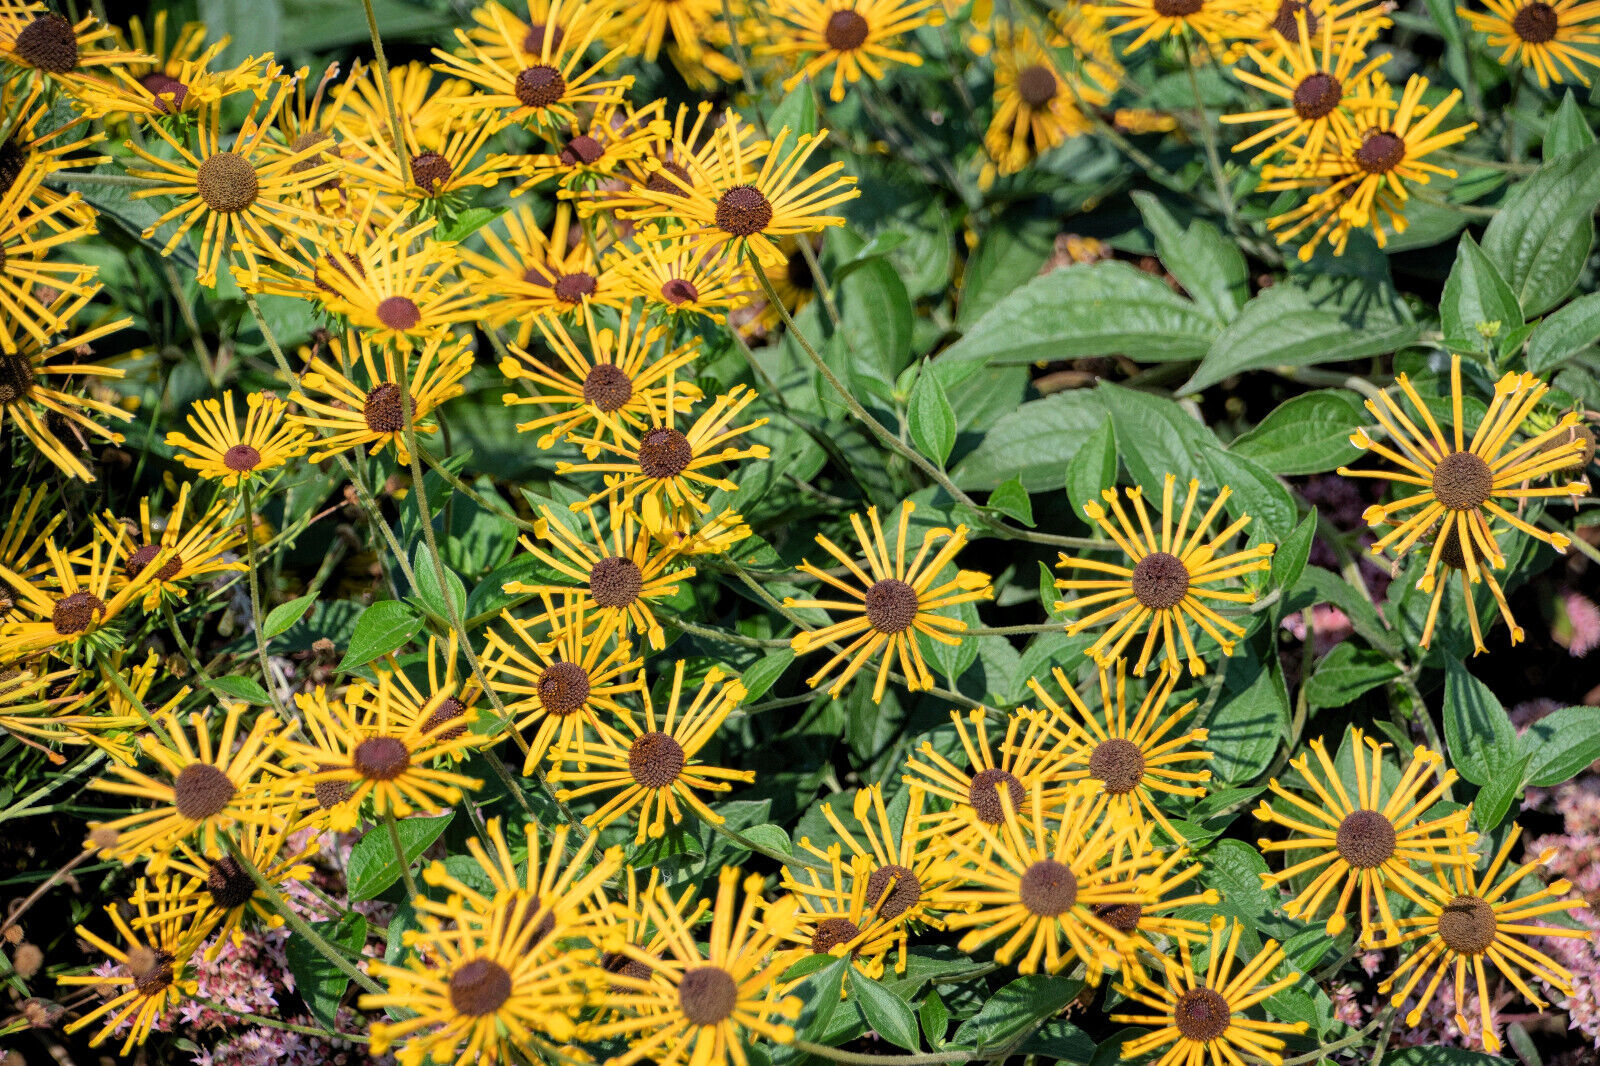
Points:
(1148, 928)
(650, 763)
(1167, 586)
(104, 715)
(1552, 38)
(177, 75)
(685, 24)
(1213, 21)
(1197, 1015)
(596, 150)
(564, 884)
(616, 577)
(676, 277)
(1469, 921)
(224, 450)
(28, 156)
(152, 977)
(689, 136)
(1027, 757)
(203, 788)
(694, 1006)
(559, 687)
(1040, 883)
(308, 121)
(247, 195)
(615, 923)
(1283, 17)
(72, 605)
(1458, 481)
(1039, 101)
(357, 396)
(691, 535)
(194, 548)
(740, 193)
(316, 269)
(890, 601)
(1129, 759)
(446, 706)
(534, 275)
(23, 539)
(834, 917)
(74, 56)
(1373, 842)
(662, 471)
(32, 712)
(363, 747)
(1454, 561)
(854, 37)
(35, 286)
(605, 377)
(398, 291)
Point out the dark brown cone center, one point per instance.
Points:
(1317, 96)
(382, 411)
(398, 313)
(1201, 1015)
(659, 182)
(1048, 888)
(563, 687)
(536, 914)
(310, 139)
(655, 760)
(1036, 85)
(831, 932)
(1365, 839)
(904, 894)
(144, 555)
(676, 291)
(76, 612)
(572, 288)
(664, 453)
(381, 758)
(845, 31)
(1380, 152)
(620, 963)
(743, 211)
(330, 794)
(1467, 925)
(450, 709)
(156, 83)
(431, 172)
(582, 149)
(1536, 23)
(891, 606)
(1462, 481)
(48, 43)
(151, 969)
(201, 791)
(16, 377)
(227, 182)
(615, 581)
(240, 458)
(479, 986)
(539, 86)
(1160, 581)
(984, 794)
(533, 40)
(1123, 917)
(707, 995)
(1177, 9)
(13, 157)
(1286, 24)
(1118, 765)
(229, 883)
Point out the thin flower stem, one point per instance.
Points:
(858, 1058)
(1208, 138)
(1013, 631)
(44, 886)
(273, 1023)
(1382, 1017)
(721, 829)
(183, 642)
(400, 855)
(728, 637)
(497, 509)
(1472, 210)
(384, 86)
(255, 598)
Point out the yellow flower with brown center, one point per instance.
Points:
(72, 56)
(854, 37)
(35, 288)
(446, 707)
(70, 605)
(1552, 38)
(1172, 577)
(1473, 925)
(614, 924)
(28, 156)
(194, 548)
(833, 915)
(1454, 561)
(1213, 21)
(587, 154)
(891, 601)
(1196, 1015)
(673, 276)
(1265, 22)
(177, 77)
(399, 292)
(223, 449)
(1039, 101)
(1372, 842)
(666, 167)
(1149, 928)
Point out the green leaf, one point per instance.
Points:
(1476, 299)
(874, 318)
(1011, 499)
(281, 617)
(1440, 1056)
(1495, 798)
(466, 224)
(1157, 437)
(825, 987)
(1208, 265)
(1564, 334)
(935, 1018)
(1289, 561)
(932, 422)
(797, 110)
(769, 836)
(888, 1015)
(319, 982)
(1562, 744)
(253, 25)
(382, 628)
(1477, 730)
(1567, 131)
(1032, 443)
(1014, 1009)
(1012, 249)
(1234, 869)
(1306, 434)
(373, 867)
(1540, 238)
(1345, 673)
(1249, 721)
(428, 589)
(1094, 468)
(1255, 493)
(1281, 327)
(1105, 309)
(760, 675)
(240, 688)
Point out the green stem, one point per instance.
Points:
(1208, 138)
(255, 598)
(726, 637)
(274, 1023)
(858, 1058)
(395, 129)
(104, 179)
(183, 642)
(498, 509)
(400, 855)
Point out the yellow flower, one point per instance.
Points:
(1552, 38)
(854, 37)
(1155, 917)
(67, 55)
(195, 549)
(1168, 584)
(614, 924)
(27, 156)
(446, 708)
(670, 153)
(71, 604)
(222, 449)
(179, 78)
(1469, 920)
(1039, 101)
(38, 295)
(532, 276)
(319, 269)
(834, 915)
(693, 1006)
(1268, 20)
(309, 123)
(643, 25)
(673, 276)
(650, 763)
(399, 291)
(1454, 561)
(1372, 842)
(1213, 21)
(1200, 1015)
(889, 606)
(595, 151)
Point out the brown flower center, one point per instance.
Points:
(381, 758)
(240, 458)
(1160, 581)
(431, 171)
(308, 140)
(230, 886)
(1450, 553)
(1177, 9)
(201, 791)
(1317, 96)
(984, 794)
(1118, 765)
(1536, 23)
(156, 83)
(659, 182)
(348, 266)
(330, 794)
(151, 970)
(1288, 26)
(13, 157)
(533, 40)
(743, 210)
(76, 612)
(572, 288)
(48, 43)
(1467, 925)
(1380, 152)
(1462, 481)
(846, 31)
(1036, 85)
(831, 932)
(582, 149)
(664, 453)
(1201, 1015)
(608, 387)
(449, 710)
(563, 687)
(1123, 917)
(1048, 888)
(904, 894)
(615, 581)
(382, 410)
(623, 965)
(534, 913)
(398, 313)
(1365, 839)
(479, 986)
(677, 291)
(16, 377)
(707, 995)
(539, 86)
(891, 606)
(227, 182)
(655, 760)
(144, 555)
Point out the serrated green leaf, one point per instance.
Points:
(1032, 442)
(1013, 1009)
(1345, 673)
(1495, 798)
(466, 224)
(1541, 235)
(321, 984)
(281, 617)
(382, 628)
(1562, 745)
(931, 419)
(1289, 561)
(1094, 467)
(886, 1013)
(1476, 299)
(1564, 334)
(935, 1018)
(428, 589)
(373, 866)
(1477, 730)
(1249, 721)
(1011, 499)
(1306, 434)
(1208, 265)
(797, 111)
